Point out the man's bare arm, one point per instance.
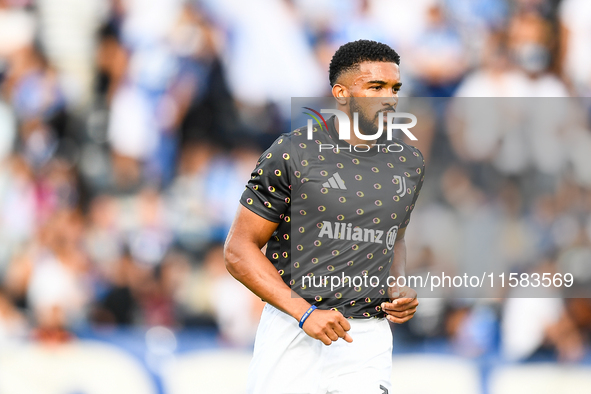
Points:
(246, 262)
(404, 301)
(398, 267)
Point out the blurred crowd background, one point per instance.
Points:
(128, 129)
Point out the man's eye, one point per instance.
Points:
(376, 87)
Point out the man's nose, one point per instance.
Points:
(391, 101)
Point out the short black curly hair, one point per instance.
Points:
(349, 55)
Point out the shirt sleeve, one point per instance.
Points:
(421, 172)
(268, 192)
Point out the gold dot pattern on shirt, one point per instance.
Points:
(313, 171)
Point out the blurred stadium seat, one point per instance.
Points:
(541, 379)
(426, 374)
(80, 367)
(219, 372)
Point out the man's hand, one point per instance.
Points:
(327, 326)
(402, 306)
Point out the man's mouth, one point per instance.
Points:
(385, 112)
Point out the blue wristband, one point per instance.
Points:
(306, 315)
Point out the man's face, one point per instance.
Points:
(378, 84)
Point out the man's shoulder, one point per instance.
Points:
(412, 151)
(298, 142)
(298, 135)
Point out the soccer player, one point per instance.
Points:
(338, 213)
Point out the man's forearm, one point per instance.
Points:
(403, 299)
(246, 263)
(398, 267)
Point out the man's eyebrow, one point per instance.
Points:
(378, 82)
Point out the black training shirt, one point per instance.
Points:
(338, 212)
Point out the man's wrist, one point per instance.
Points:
(306, 315)
(298, 310)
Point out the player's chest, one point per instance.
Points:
(355, 186)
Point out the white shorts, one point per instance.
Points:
(287, 361)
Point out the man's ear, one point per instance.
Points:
(340, 93)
